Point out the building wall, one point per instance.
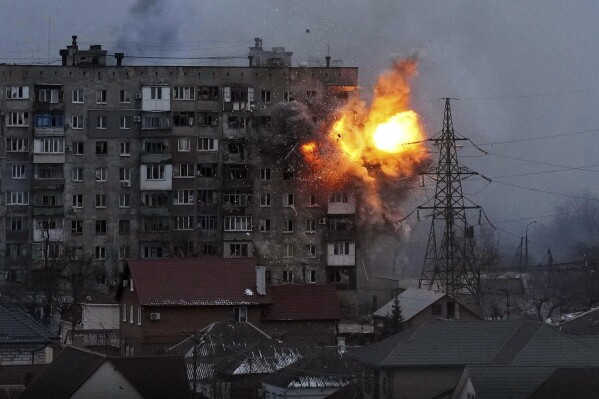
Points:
(466, 391)
(422, 382)
(100, 316)
(21, 355)
(113, 230)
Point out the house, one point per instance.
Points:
(429, 359)
(302, 314)
(418, 306)
(23, 340)
(317, 375)
(162, 301)
(79, 373)
(230, 360)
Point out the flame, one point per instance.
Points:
(371, 145)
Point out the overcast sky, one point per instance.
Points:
(520, 69)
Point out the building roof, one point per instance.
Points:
(505, 382)
(233, 349)
(19, 328)
(325, 368)
(412, 302)
(586, 323)
(460, 343)
(568, 383)
(303, 302)
(209, 281)
(153, 377)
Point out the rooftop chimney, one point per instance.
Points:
(328, 58)
(64, 53)
(119, 58)
(74, 43)
(251, 60)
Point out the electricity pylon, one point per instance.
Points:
(449, 265)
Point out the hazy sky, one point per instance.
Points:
(521, 69)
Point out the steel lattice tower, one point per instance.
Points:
(448, 266)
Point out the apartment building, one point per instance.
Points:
(102, 163)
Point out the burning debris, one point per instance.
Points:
(371, 147)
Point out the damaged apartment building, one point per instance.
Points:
(103, 163)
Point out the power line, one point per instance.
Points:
(537, 138)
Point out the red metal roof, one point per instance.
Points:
(303, 302)
(196, 282)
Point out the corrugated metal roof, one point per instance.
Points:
(18, 328)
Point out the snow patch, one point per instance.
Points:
(249, 292)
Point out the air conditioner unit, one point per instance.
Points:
(322, 221)
(137, 119)
(138, 96)
(125, 184)
(154, 316)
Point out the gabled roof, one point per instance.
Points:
(18, 328)
(209, 281)
(569, 383)
(412, 302)
(505, 382)
(303, 302)
(153, 377)
(585, 324)
(460, 343)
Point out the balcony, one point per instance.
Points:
(48, 131)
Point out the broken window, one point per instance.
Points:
(208, 93)
(235, 122)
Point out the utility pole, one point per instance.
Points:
(526, 241)
(449, 260)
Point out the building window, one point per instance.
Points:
(183, 223)
(17, 119)
(18, 171)
(77, 200)
(101, 174)
(48, 120)
(17, 145)
(287, 96)
(342, 247)
(76, 227)
(125, 149)
(265, 225)
(310, 226)
(312, 276)
(184, 144)
(288, 276)
(288, 174)
(51, 146)
(17, 92)
(183, 93)
(155, 93)
(101, 96)
(155, 121)
(77, 122)
(238, 223)
(265, 174)
(156, 224)
(139, 315)
(207, 222)
(124, 312)
(125, 96)
(77, 174)
(339, 198)
(311, 251)
(289, 251)
(436, 309)
(288, 226)
(101, 122)
(155, 172)
(125, 122)
(312, 200)
(238, 250)
(208, 93)
(156, 146)
(288, 199)
(18, 223)
(101, 148)
(207, 197)
(265, 96)
(131, 315)
(207, 119)
(183, 197)
(183, 118)
(52, 96)
(101, 227)
(17, 198)
(236, 198)
(207, 144)
(124, 201)
(183, 170)
(77, 147)
(236, 122)
(78, 97)
(124, 226)
(241, 314)
(123, 252)
(124, 175)
(265, 200)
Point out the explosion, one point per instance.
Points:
(373, 146)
